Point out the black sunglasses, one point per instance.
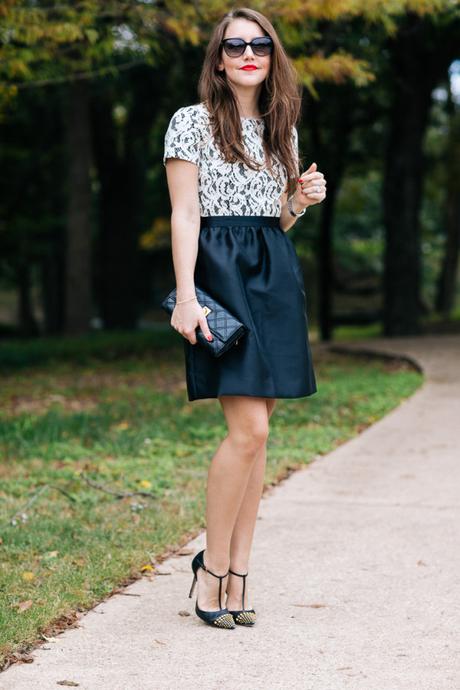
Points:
(235, 47)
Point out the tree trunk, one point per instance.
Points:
(78, 237)
(420, 55)
(117, 252)
(331, 161)
(447, 284)
(51, 279)
(26, 320)
(121, 154)
(325, 254)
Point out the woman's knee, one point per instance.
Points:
(249, 437)
(248, 443)
(248, 423)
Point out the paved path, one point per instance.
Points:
(355, 574)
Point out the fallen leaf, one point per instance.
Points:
(24, 605)
(22, 657)
(121, 426)
(184, 551)
(28, 576)
(162, 570)
(145, 484)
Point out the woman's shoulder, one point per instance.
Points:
(194, 115)
(186, 133)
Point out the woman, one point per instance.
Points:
(233, 178)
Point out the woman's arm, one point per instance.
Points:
(286, 220)
(182, 177)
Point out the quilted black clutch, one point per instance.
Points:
(225, 328)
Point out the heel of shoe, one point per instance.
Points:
(221, 618)
(193, 586)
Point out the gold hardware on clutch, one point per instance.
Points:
(206, 310)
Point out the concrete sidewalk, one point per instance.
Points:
(355, 574)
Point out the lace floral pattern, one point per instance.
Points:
(226, 188)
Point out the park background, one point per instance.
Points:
(87, 93)
(102, 460)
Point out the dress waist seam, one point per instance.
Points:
(209, 221)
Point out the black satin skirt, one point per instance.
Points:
(250, 265)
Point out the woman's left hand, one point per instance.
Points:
(311, 188)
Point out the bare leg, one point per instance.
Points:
(243, 531)
(228, 476)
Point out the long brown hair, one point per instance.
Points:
(279, 101)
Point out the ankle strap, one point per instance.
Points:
(211, 573)
(239, 574)
(200, 559)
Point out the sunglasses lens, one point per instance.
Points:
(262, 46)
(234, 47)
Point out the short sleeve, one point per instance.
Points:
(183, 136)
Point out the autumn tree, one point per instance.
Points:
(70, 45)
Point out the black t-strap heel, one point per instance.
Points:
(221, 618)
(243, 616)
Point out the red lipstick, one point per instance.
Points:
(249, 67)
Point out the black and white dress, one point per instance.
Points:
(247, 263)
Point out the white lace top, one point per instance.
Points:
(226, 188)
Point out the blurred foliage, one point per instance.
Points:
(339, 50)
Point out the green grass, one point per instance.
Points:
(125, 424)
(105, 346)
(342, 333)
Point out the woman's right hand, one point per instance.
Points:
(185, 319)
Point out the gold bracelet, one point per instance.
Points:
(186, 300)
